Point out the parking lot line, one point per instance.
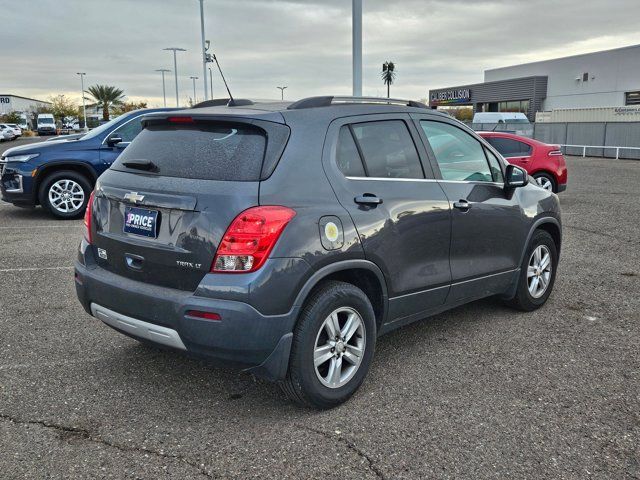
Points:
(40, 226)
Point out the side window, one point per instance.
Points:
(494, 165)
(510, 148)
(130, 130)
(460, 156)
(388, 149)
(347, 156)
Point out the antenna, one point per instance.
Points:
(231, 100)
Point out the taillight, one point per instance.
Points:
(87, 219)
(250, 238)
(556, 152)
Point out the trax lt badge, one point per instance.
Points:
(134, 197)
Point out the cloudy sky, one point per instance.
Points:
(305, 44)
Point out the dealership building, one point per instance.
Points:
(15, 103)
(609, 78)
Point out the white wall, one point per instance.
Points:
(17, 104)
(611, 74)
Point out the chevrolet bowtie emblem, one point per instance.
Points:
(134, 197)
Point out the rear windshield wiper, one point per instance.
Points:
(141, 165)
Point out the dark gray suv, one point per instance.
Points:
(285, 238)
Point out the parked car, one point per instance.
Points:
(46, 124)
(284, 240)
(543, 162)
(6, 132)
(60, 175)
(16, 129)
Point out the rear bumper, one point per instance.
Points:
(244, 338)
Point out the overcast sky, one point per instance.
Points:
(305, 44)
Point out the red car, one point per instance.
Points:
(544, 162)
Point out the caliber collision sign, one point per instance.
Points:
(450, 97)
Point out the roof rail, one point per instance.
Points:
(219, 102)
(327, 101)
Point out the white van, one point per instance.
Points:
(46, 124)
(500, 117)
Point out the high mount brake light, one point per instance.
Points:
(180, 120)
(88, 219)
(250, 238)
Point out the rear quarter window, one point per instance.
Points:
(207, 151)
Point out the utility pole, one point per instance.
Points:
(194, 89)
(84, 108)
(175, 68)
(164, 92)
(357, 47)
(204, 52)
(282, 89)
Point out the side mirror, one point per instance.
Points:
(114, 139)
(515, 177)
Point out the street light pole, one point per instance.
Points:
(84, 108)
(282, 89)
(164, 92)
(357, 47)
(204, 54)
(175, 68)
(194, 88)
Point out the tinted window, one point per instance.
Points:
(388, 149)
(208, 151)
(459, 155)
(494, 165)
(347, 156)
(510, 148)
(129, 130)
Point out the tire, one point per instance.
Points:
(303, 383)
(524, 299)
(546, 181)
(76, 183)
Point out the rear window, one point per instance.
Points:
(215, 151)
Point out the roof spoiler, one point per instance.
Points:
(222, 102)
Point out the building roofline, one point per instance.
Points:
(24, 98)
(564, 58)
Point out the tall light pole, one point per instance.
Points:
(164, 92)
(194, 88)
(357, 47)
(204, 53)
(175, 68)
(84, 108)
(282, 89)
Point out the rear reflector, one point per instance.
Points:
(87, 219)
(204, 315)
(250, 238)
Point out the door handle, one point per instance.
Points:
(368, 199)
(462, 205)
(134, 262)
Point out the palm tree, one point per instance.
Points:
(105, 96)
(388, 75)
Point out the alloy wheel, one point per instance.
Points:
(544, 182)
(66, 196)
(539, 271)
(339, 347)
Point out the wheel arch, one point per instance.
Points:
(548, 224)
(74, 166)
(363, 274)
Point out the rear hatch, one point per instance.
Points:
(161, 210)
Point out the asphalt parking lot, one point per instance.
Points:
(478, 392)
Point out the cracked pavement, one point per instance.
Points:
(477, 392)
